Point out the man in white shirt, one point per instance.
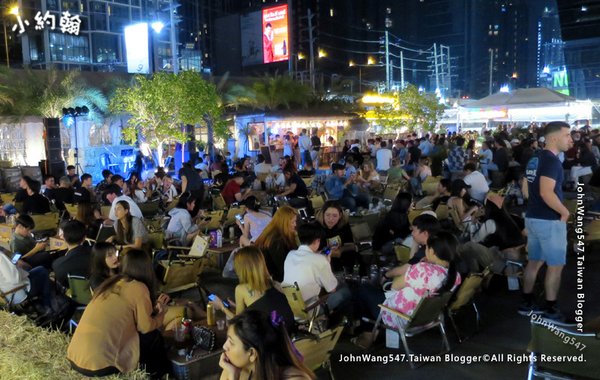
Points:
(113, 195)
(312, 270)
(478, 184)
(304, 144)
(384, 158)
(262, 166)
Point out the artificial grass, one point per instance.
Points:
(33, 353)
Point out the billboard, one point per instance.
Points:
(137, 48)
(252, 51)
(275, 34)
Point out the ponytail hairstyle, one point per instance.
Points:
(445, 246)
(266, 333)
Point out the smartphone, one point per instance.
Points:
(16, 258)
(240, 218)
(211, 297)
(326, 251)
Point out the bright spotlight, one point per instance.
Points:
(157, 26)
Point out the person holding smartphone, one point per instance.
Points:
(33, 252)
(253, 222)
(118, 328)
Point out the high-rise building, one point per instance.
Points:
(580, 22)
(99, 43)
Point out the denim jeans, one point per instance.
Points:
(40, 285)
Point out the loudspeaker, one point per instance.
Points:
(54, 159)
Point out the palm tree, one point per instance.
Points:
(269, 93)
(46, 93)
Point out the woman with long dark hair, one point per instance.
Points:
(105, 263)
(118, 327)
(394, 227)
(130, 231)
(181, 225)
(258, 347)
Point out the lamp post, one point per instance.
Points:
(74, 113)
(13, 11)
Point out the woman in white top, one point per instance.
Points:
(167, 189)
(181, 225)
(368, 177)
(141, 193)
(254, 222)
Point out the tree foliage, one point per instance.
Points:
(45, 93)
(411, 109)
(161, 105)
(269, 93)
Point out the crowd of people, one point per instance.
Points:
(280, 246)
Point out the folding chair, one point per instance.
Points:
(79, 291)
(428, 314)
(465, 295)
(105, 211)
(149, 209)
(391, 191)
(181, 270)
(317, 349)
(362, 236)
(7, 197)
(218, 202)
(402, 253)
(7, 297)
(46, 223)
(72, 209)
(316, 202)
(156, 241)
(216, 217)
(442, 212)
(429, 186)
(555, 339)
(304, 315)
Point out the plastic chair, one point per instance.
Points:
(428, 314)
(552, 339)
(317, 349)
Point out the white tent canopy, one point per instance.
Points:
(526, 105)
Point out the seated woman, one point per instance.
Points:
(368, 178)
(277, 239)
(338, 237)
(394, 227)
(130, 231)
(105, 263)
(181, 225)
(436, 273)
(118, 329)
(422, 171)
(457, 202)
(91, 217)
(498, 228)
(256, 290)
(254, 223)
(258, 347)
(141, 193)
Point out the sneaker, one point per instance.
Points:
(553, 314)
(528, 310)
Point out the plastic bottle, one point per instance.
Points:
(219, 238)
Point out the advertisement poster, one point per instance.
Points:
(275, 34)
(252, 53)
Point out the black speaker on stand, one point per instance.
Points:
(55, 164)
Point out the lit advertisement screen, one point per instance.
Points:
(275, 34)
(138, 51)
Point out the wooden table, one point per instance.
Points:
(222, 253)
